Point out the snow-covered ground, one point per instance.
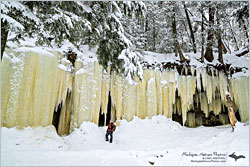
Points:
(158, 140)
(153, 58)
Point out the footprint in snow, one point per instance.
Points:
(151, 163)
(152, 160)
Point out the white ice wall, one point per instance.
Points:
(33, 85)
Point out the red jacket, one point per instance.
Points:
(111, 127)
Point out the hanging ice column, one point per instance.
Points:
(168, 90)
(240, 93)
(86, 93)
(32, 84)
(186, 90)
(105, 92)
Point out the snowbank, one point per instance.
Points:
(158, 140)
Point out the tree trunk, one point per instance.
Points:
(209, 50)
(220, 44)
(235, 41)
(245, 28)
(177, 48)
(4, 36)
(145, 33)
(226, 47)
(174, 34)
(243, 52)
(190, 40)
(154, 34)
(220, 47)
(190, 28)
(202, 37)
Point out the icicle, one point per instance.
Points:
(209, 89)
(142, 97)
(118, 97)
(10, 103)
(198, 80)
(158, 91)
(240, 93)
(165, 96)
(138, 100)
(191, 119)
(186, 90)
(192, 70)
(168, 87)
(186, 70)
(112, 88)
(105, 92)
(204, 105)
(178, 106)
(223, 86)
(216, 108)
(64, 121)
(6, 73)
(34, 83)
(151, 98)
(204, 79)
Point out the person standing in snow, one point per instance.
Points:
(110, 130)
(231, 114)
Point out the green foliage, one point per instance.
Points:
(95, 23)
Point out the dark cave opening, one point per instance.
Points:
(101, 121)
(56, 116)
(108, 115)
(237, 115)
(101, 118)
(211, 120)
(178, 118)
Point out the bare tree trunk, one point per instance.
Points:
(202, 37)
(154, 34)
(190, 28)
(209, 50)
(4, 36)
(242, 53)
(245, 28)
(235, 41)
(177, 48)
(174, 34)
(187, 31)
(220, 44)
(246, 33)
(226, 47)
(145, 33)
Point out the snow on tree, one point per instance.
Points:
(18, 18)
(93, 23)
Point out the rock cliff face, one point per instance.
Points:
(37, 84)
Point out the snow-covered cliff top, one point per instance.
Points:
(153, 58)
(148, 58)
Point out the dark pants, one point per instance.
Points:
(111, 136)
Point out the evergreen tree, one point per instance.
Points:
(18, 18)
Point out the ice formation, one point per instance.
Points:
(34, 83)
